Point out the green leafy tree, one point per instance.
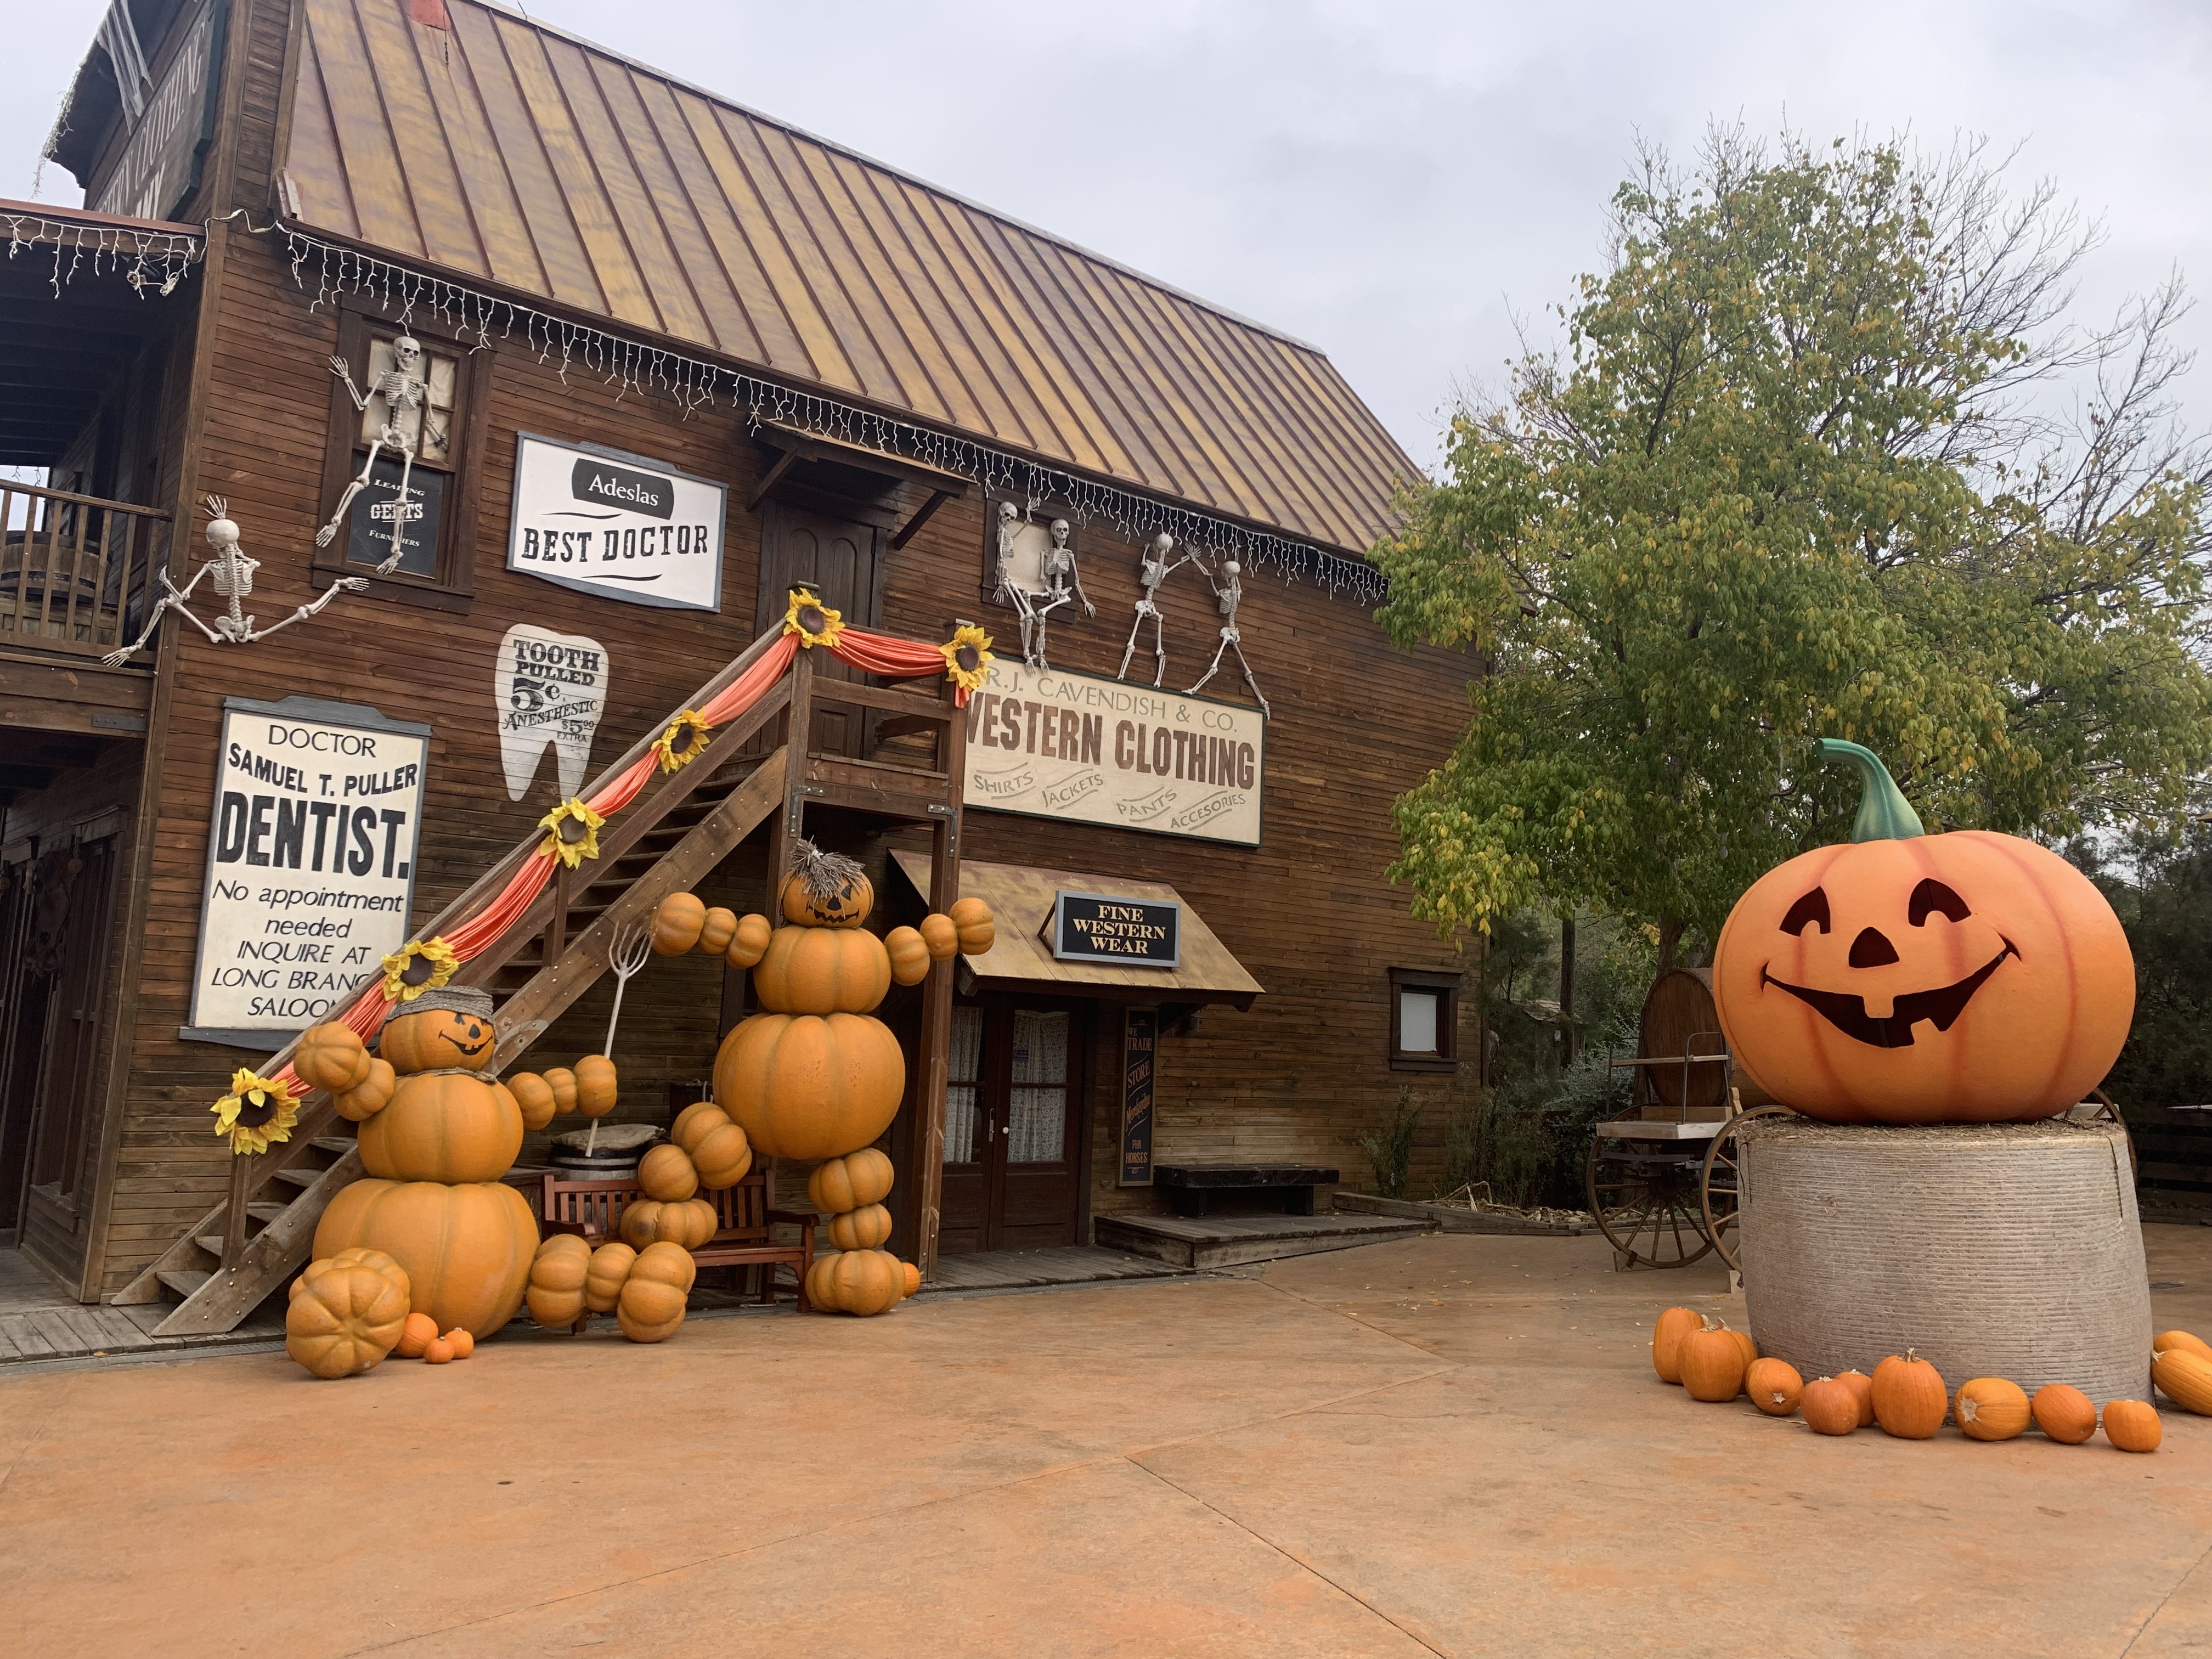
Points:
(1822, 456)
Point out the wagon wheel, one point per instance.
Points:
(1720, 1191)
(1646, 1203)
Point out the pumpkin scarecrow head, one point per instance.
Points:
(441, 1030)
(1908, 978)
(825, 890)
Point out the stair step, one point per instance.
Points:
(183, 1280)
(212, 1243)
(296, 1178)
(338, 1146)
(266, 1210)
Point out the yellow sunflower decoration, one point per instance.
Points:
(420, 967)
(572, 832)
(255, 1113)
(815, 622)
(682, 742)
(966, 657)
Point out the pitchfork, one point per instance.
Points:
(628, 952)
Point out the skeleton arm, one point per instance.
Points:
(343, 370)
(172, 599)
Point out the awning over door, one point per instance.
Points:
(1021, 898)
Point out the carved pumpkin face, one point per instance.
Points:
(844, 903)
(1962, 978)
(436, 1038)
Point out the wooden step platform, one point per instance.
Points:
(1070, 1264)
(1224, 1241)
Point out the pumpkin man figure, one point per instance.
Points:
(815, 1074)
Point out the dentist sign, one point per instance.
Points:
(617, 526)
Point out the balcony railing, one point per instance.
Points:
(75, 570)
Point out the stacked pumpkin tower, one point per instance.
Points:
(814, 1075)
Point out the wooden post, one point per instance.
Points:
(233, 1216)
(928, 1143)
(798, 749)
(556, 928)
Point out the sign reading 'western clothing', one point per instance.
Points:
(618, 525)
(161, 163)
(1096, 752)
(311, 863)
(1100, 927)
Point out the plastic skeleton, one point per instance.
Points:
(1229, 598)
(1154, 571)
(234, 580)
(1057, 569)
(408, 419)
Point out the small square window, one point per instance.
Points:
(1424, 1020)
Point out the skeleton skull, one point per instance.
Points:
(407, 354)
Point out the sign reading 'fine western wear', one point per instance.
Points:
(310, 864)
(618, 525)
(1093, 750)
(1102, 927)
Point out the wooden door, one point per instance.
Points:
(1013, 1107)
(844, 560)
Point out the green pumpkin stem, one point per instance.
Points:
(1884, 813)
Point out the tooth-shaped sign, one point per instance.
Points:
(550, 688)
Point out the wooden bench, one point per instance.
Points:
(593, 1210)
(1289, 1187)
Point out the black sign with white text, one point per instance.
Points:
(1100, 927)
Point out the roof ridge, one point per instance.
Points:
(516, 12)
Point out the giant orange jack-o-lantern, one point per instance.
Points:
(1909, 978)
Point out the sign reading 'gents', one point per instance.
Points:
(1097, 752)
(311, 862)
(618, 525)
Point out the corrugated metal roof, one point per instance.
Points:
(511, 151)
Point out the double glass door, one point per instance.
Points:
(1013, 1101)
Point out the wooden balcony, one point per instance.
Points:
(75, 571)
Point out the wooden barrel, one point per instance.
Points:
(1679, 1018)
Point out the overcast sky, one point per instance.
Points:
(1397, 181)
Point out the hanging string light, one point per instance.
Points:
(155, 259)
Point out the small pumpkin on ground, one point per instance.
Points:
(461, 1341)
(371, 1094)
(667, 1173)
(913, 1277)
(603, 1279)
(1910, 1400)
(861, 1282)
(860, 1230)
(2169, 1340)
(418, 1332)
(677, 921)
(1861, 1388)
(1667, 1334)
(1830, 1406)
(1712, 1360)
(651, 1305)
(596, 1089)
(2183, 1376)
(345, 1316)
(974, 925)
(439, 1352)
(1774, 1386)
(715, 933)
(1990, 1408)
(850, 1182)
(2133, 1426)
(910, 956)
(556, 1295)
(2064, 1413)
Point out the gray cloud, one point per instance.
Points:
(1398, 183)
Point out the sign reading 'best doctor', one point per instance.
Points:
(618, 525)
(1070, 746)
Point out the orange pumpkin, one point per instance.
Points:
(466, 1249)
(596, 1092)
(417, 1332)
(1667, 1334)
(376, 1259)
(1990, 1408)
(2133, 1426)
(689, 1223)
(715, 933)
(825, 890)
(718, 1148)
(909, 957)
(1774, 1386)
(822, 970)
(562, 1082)
(860, 1230)
(667, 1173)
(913, 1277)
(460, 1342)
(533, 1098)
(2183, 1376)
(2064, 1413)
(678, 920)
(1861, 1388)
(441, 1029)
(439, 1353)
(554, 1295)
(862, 1282)
(978, 930)
(1830, 1406)
(850, 1182)
(330, 1056)
(1910, 978)
(371, 1094)
(1712, 1360)
(2167, 1340)
(1909, 1396)
(651, 1305)
(810, 1085)
(454, 1127)
(344, 1317)
(749, 944)
(603, 1279)
(939, 937)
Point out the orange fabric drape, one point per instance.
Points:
(893, 659)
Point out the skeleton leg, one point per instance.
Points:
(324, 536)
(1043, 618)
(1239, 649)
(170, 600)
(1130, 649)
(343, 584)
(1215, 668)
(399, 509)
(1159, 651)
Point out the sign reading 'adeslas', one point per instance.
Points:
(1097, 752)
(618, 525)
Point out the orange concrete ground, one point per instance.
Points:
(1450, 1445)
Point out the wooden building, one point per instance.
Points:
(775, 361)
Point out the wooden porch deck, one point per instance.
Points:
(1224, 1241)
(1070, 1264)
(39, 1320)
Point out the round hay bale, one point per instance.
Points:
(1996, 1249)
